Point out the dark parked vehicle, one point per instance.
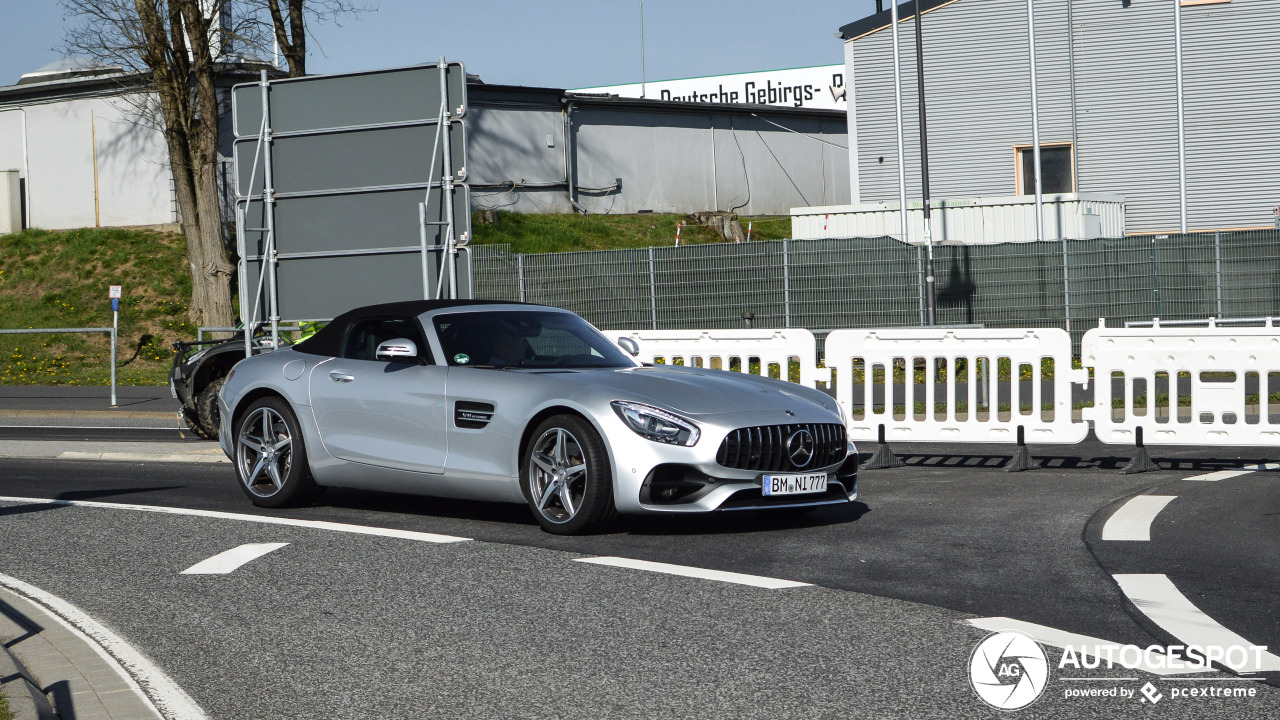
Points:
(200, 369)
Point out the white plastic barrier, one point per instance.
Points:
(723, 349)
(1216, 370)
(965, 364)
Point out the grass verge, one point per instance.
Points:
(4, 708)
(60, 280)
(567, 233)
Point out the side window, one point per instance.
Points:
(364, 336)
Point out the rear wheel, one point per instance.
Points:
(565, 477)
(271, 460)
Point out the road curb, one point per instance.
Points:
(79, 677)
(202, 456)
(153, 452)
(89, 414)
(26, 701)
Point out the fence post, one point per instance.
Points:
(1066, 285)
(920, 279)
(786, 282)
(114, 332)
(1217, 268)
(653, 290)
(1155, 278)
(520, 274)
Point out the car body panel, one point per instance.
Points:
(457, 431)
(388, 414)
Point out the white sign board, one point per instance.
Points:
(115, 292)
(816, 88)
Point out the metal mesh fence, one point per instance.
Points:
(878, 282)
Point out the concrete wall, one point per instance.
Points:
(1125, 104)
(132, 185)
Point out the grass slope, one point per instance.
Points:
(60, 279)
(567, 233)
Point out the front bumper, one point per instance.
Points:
(652, 478)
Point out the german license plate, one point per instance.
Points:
(795, 484)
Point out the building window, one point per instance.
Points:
(1056, 175)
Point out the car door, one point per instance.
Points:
(388, 414)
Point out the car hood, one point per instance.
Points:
(698, 391)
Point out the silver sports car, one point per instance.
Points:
(524, 403)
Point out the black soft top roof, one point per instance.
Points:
(328, 341)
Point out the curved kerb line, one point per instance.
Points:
(156, 689)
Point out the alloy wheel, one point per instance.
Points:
(264, 452)
(558, 475)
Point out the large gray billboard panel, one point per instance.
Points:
(357, 200)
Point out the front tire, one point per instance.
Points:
(565, 477)
(271, 460)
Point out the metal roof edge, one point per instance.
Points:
(879, 21)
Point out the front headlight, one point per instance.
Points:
(657, 425)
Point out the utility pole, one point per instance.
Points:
(641, 49)
(931, 296)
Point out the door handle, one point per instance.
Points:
(339, 376)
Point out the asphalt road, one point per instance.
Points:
(337, 625)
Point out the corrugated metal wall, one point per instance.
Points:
(1231, 77)
(1127, 107)
(978, 91)
(667, 160)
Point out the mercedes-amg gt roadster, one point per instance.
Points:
(524, 403)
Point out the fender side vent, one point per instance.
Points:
(472, 415)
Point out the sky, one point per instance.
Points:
(550, 43)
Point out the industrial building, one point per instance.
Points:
(1162, 110)
(86, 156)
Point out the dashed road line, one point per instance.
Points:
(228, 560)
(693, 572)
(1158, 598)
(1228, 474)
(1132, 522)
(1083, 645)
(262, 519)
(149, 682)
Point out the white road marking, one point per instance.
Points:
(1228, 474)
(1133, 520)
(693, 572)
(147, 681)
(1083, 645)
(228, 560)
(290, 522)
(1160, 600)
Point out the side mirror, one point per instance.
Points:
(630, 345)
(398, 350)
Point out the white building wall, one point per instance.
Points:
(133, 182)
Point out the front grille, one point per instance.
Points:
(765, 448)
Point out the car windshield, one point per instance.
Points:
(525, 339)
